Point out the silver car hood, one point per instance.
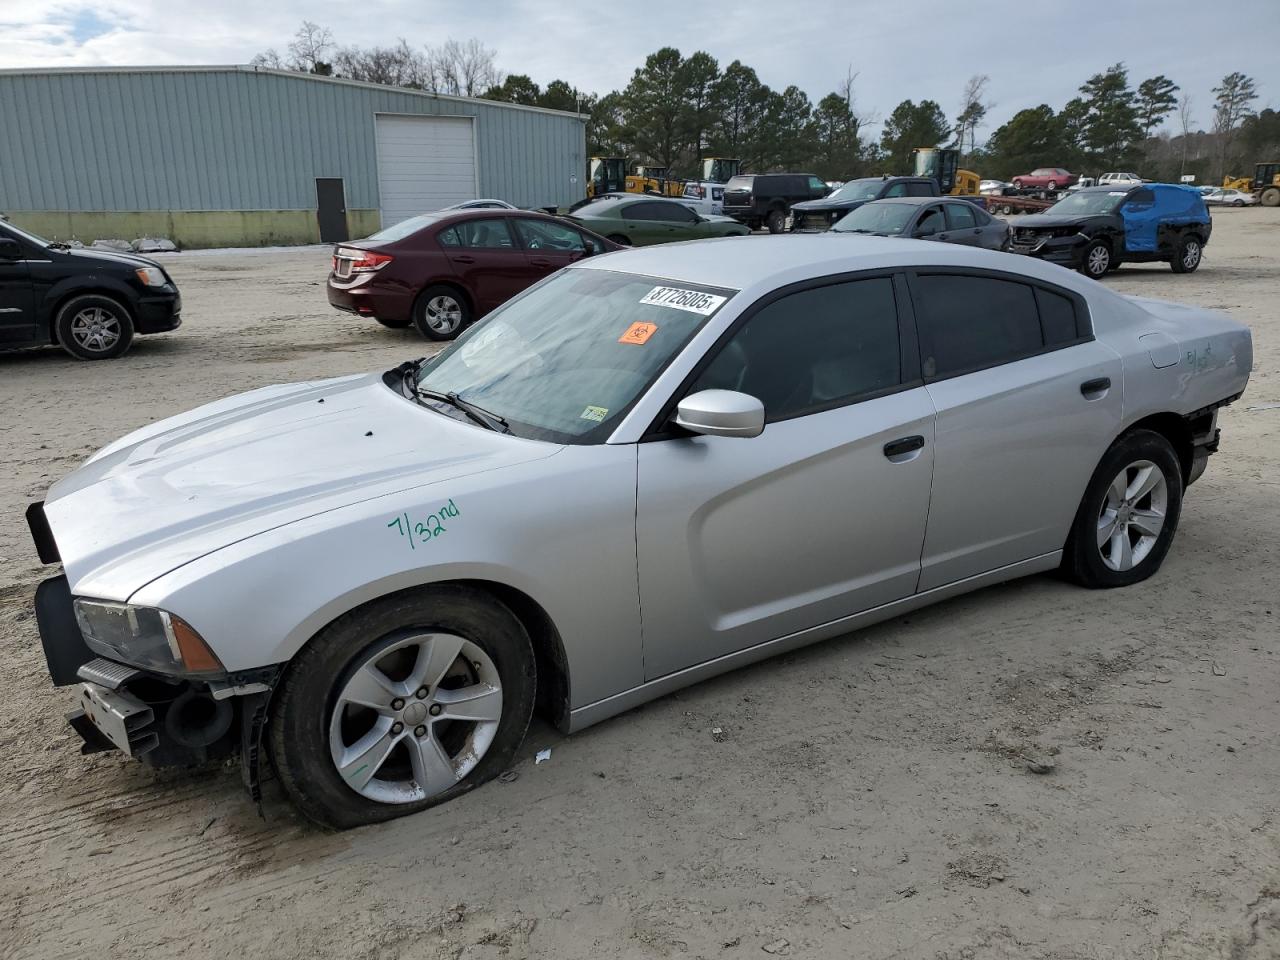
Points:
(192, 484)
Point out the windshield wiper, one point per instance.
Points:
(486, 418)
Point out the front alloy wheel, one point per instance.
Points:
(1097, 260)
(401, 704)
(415, 717)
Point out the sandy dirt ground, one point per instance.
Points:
(866, 797)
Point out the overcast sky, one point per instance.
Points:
(918, 50)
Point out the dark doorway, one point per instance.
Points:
(331, 210)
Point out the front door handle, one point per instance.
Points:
(904, 448)
(539, 262)
(1095, 389)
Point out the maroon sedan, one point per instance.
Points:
(1046, 178)
(439, 271)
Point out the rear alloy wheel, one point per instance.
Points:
(402, 704)
(1187, 256)
(1096, 260)
(1237, 202)
(94, 327)
(1129, 513)
(440, 313)
(776, 221)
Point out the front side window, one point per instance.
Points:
(931, 222)
(813, 350)
(967, 322)
(567, 360)
(817, 185)
(897, 190)
(543, 235)
(920, 190)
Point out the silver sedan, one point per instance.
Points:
(650, 468)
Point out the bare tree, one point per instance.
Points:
(269, 60)
(1184, 121)
(310, 48)
(972, 112)
(845, 89)
(1232, 103)
(462, 69)
(398, 66)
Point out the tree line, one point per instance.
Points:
(675, 110)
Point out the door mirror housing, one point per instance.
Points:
(721, 413)
(10, 249)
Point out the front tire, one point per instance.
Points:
(440, 313)
(1129, 514)
(1187, 256)
(93, 327)
(1096, 260)
(402, 704)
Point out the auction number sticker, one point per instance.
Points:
(594, 414)
(693, 301)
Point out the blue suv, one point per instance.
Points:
(1096, 229)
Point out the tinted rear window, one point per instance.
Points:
(967, 323)
(1057, 317)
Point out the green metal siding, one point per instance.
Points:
(240, 139)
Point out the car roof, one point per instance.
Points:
(918, 201)
(741, 263)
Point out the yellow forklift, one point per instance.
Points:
(943, 165)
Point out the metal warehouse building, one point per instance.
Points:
(229, 156)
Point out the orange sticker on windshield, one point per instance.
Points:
(639, 333)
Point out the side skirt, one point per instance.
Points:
(628, 699)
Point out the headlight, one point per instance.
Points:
(145, 637)
(151, 276)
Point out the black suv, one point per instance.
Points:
(91, 302)
(765, 198)
(1096, 229)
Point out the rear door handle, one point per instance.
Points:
(901, 450)
(463, 258)
(1095, 389)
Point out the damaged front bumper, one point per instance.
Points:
(160, 719)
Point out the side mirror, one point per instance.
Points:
(721, 413)
(10, 249)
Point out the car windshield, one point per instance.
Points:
(24, 234)
(857, 190)
(879, 217)
(398, 231)
(567, 359)
(1103, 201)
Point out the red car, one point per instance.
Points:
(1047, 178)
(440, 271)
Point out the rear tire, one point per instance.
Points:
(1187, 255)
(1129, 514)
(312, 705)
(395, 324)
(441, 313)
(93, 327)
(776, 221)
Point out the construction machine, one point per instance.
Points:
(943, 165)
(715, 173)
(606, 175)
(654, 180)
(1237, 183)
(1266, 184)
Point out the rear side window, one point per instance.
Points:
(960, 215)
(967, 323)
(920, 190)
(480, 234)
(1057, 318)
(646, 211)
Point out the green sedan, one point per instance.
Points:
(640, 220)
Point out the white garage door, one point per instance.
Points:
(424, 163)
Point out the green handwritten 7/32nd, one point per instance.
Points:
(426, 529)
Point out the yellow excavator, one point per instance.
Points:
(943, 165)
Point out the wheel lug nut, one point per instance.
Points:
(397, 727)
(397, 704)
(419, 731)
(422, 693)
(435, 710)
